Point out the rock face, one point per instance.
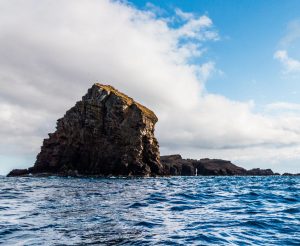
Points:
(106, 133)
(175, 165)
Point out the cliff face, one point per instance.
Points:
(106, 133)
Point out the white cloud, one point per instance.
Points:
(290, 65)
(184, 15)
(52, 51)
(289, 42)
(197, 28)
(206, 70)
(283, 106)
(292, 34)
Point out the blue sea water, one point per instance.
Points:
(150, 211)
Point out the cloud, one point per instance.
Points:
(197, 28)
(283, 106)
(290, 65)
(289, 42)
(184, 15)
(292, 34)
(52, 51)
(206, 70)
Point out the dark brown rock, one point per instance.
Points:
(18, 172)
(291, 174)
(260, 172)
(218, 167)
(106, 133)
(175, 165)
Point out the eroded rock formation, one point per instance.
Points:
(106, 133)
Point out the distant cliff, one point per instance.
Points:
(175, 165)
(108, 133)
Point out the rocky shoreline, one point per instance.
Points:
(106, 134)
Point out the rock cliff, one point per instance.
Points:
(176, 165)
(106, 133)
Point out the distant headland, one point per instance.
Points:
(108, 133)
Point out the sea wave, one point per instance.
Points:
(152, 211)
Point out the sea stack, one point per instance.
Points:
(106, 133)
(109, 134)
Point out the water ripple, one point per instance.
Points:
(151, 211)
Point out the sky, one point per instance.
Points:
(223, 77)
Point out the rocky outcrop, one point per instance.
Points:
(291, 174)
(176, 165)
(18, 172)
(106, 133)
(260, 172)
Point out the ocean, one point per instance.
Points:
(150, 211)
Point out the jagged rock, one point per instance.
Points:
(176, 165)
(106, 133)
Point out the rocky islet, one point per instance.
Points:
(108, 133)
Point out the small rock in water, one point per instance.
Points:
(18, 172)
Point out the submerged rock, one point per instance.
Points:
(106, 133)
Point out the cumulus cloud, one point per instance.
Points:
(52, 51)
(290, 64)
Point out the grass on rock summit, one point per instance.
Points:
(128, 100)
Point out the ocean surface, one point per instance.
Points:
(150, 211)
